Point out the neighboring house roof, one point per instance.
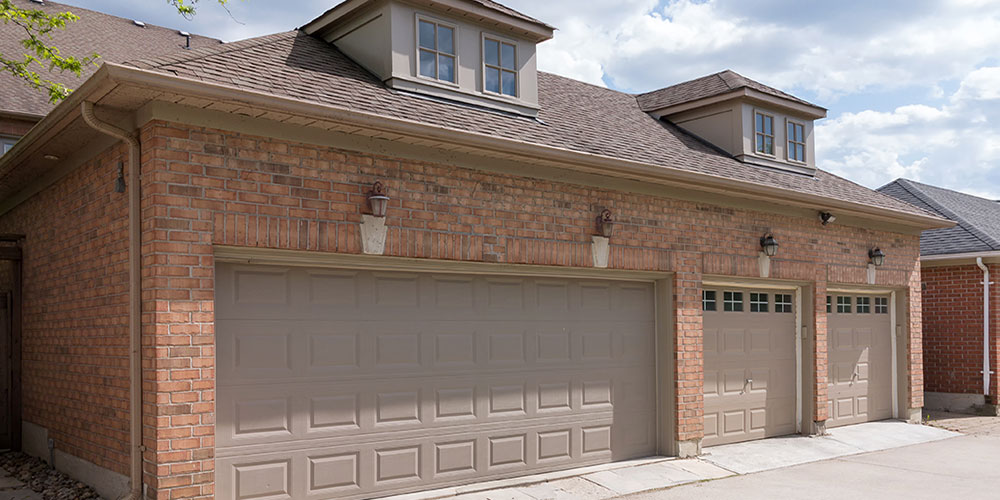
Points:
(977, 219)
(114, 39)
(574, 116)
(708, 86)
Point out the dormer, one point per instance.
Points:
(471, 51)
(755, 123)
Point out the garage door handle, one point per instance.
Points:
(854, 377)
(746, 384)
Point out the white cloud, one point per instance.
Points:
(956, 145)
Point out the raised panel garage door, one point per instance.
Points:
(358, 384)
(749, 348)
(859, 357)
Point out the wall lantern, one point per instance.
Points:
(605, 223)
(378, 200)
(826, 217)
(120, 180)
(769, 245)
(876, 256)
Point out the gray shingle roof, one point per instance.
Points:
(115, 39)
(574, 115)
(708, 86)
(977, 219)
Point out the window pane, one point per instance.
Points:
(491, 49)
(510, 83)
(791, 131)
(760, 143)
(769, 145)
(507, 57)
(768, 125)
(427, 66)
(427, 35)
(446, 37)
(446, 68)
(493, 80)
(798, 133)
(800, 152)
(760, 122)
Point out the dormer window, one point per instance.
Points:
(764, 131)
(436, 50)
(796, 142)
(499, 66)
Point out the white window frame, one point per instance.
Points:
(844, 304)
(863, 305)
(757, 305)
(705, 300)
(482, 67)
(417, 49)
(6, 140)
(773, 136)
(732, 301)
(784, 306)
(789, 142)
(884, 305)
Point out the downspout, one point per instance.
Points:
(134, 295)
(986, 327)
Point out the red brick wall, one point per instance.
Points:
(13, 127)
(953, 329)
(75, 333)
(205, 187)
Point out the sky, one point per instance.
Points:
(912, 86)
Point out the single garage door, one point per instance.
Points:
(859, 357)
(749, 346)
(357, 384)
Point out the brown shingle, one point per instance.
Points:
(708, 86)
(115, 39)
(574, 115)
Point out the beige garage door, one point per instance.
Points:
(859, 357)
(357, 384)
(749, 348)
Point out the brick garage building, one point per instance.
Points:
(960, 314)
(217, 206)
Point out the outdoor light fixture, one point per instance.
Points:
(378, 200)
(605, 223)
(826, 217)
(876, 256)
(51, 157)
(120, 180)
(769, 245)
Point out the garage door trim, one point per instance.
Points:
(894, 330)
(306, 258)
(800, 330)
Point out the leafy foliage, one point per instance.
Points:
(39, 48)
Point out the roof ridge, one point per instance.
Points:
(914, 188)
(223, 48)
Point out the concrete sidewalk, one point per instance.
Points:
(627, 478)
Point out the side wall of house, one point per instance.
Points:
(75, 324)
(953, 329)
(205, 187)
(13, 127)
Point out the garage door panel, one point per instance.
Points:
(749, 371)
(389, 382)
(860, 375)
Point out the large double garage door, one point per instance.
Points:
(357, 384)
(750, 362)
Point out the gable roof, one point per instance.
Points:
(574, 116)
(977, 219)
(709, 86)
(113, 38)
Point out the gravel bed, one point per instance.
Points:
(38, 476)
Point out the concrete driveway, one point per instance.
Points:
(960, 467)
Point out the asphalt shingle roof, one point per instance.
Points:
(977, 219)
(114, 39)
(708, 86)
(574, 115)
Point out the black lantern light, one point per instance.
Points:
(605, 223)
(769, 245)
(876, 256)
(378, 200)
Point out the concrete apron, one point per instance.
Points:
(656, 473)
